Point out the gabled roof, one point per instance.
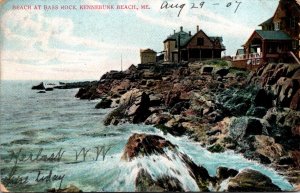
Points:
(268, 21)
(240, 52)
(148, 50)
(273, 35)
(220, 39)
(184, 37)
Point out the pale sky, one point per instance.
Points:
(84, 44)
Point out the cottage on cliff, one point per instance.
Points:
(183, 46)
(277, 41)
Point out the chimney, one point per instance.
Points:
(197, 28)
(181, 28)
(190, 33)
(174, 31)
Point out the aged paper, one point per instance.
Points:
(140, 95)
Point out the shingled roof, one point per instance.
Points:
(184, 37)
(268, 21)
(273, 35)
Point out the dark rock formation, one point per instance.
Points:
(141, 144)
(145, 145)
(38, 87)
(104, 104)
(223, 173)
(49, 89)
(134, 107)
(222, 72)
(145, 183)
(251, 181)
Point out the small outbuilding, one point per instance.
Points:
(147, 56)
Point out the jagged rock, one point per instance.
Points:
(213, 132)
(295, 102)
(174, 127)
(104, 104)
(207, 70)
(155, 99)
(266, 146)
(295, 155)
(216, 148)
(296, 75)
(223, 173)
(243, 127)
(285, 89)
(49, 89)
(172, 98)
(89, 92)
(249, 180)
(179, 107)
(38, 87)
(158, 118)
(81, 92)
(134, 107)
(71, 188)
(222, 72)
(145, 183)
(263, 99)
(145, 145)
(120, 87)
(296, 130)
(258, 112)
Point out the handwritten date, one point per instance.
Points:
(167, 5)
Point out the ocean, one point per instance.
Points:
(51, 140)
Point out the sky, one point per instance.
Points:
(49, 44)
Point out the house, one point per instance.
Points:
(183, 46)
(277, 41)
(147, 56)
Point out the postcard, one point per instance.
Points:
(140, 95)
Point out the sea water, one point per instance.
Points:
(86, 153)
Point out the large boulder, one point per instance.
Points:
(243, 127)
(104, 104)
(38, 87)
(145, 145)
(249, 180)
(172, 98)
(223, 173)
(145, 183)
(263, 99)
(266, 147)
(222, 72)
(285, 89)
(157, 119)
(133, 107)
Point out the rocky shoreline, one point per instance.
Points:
(256, 114)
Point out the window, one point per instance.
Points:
(295, 44)
(277, 26)
(293, 22)
(200, 42)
